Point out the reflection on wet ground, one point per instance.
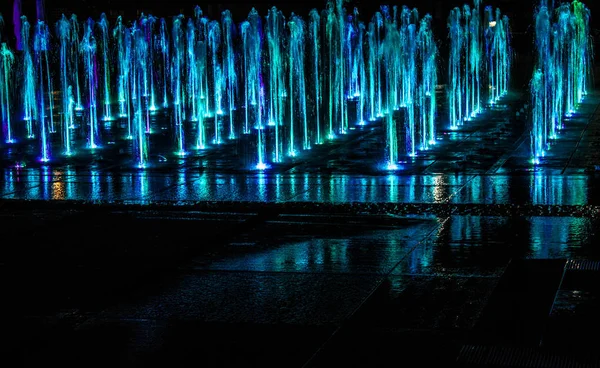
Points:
(444, 265)
(157, 281)
(189, 188)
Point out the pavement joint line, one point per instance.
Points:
(316, 354)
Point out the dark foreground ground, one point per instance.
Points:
(469, 257)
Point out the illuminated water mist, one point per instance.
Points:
(7, 59)
(273, 84)
(562, 72)
(480, 58)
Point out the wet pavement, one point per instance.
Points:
(467, 257)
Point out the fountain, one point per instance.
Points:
(138, 82)
(229, 73)
(63, 30)
(277, 92)
(177, 83)
(498, 54)
(28, 76)
(88, 49)
(7, 59)
(465, 63)
(41, 42)
(314, 35)
(562, 73)
(106, 64)
(272, 87)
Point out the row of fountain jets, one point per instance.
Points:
(282, 84)
(563, 70)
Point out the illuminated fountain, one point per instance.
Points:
(163, 41)
(44, 118)
(297, 91)
(88, 49)
(63, 30)
(28, 79)
(229, 72)
(7, 59)
(254, 93)
(314, 33)
(106, 64)
(562, 72)
(214, 43)
(277, 85)
(138, 78)
(75, 60)
(428, 77)
(498, 53)
(466, 66)
(276, 82)
(121, 35)
(178, 82)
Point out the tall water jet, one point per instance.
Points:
(563, 66)
(202, 26)
(148, 27)
(341, 67)
(178, 83)
(120, 34)
(41, 46)
(455, 69)
(192, 71)
(251, 35)
(427, 51)
(214, 42)
(139, 72)
(63, 30)
(88, 49)
(28, 83)
(314, 34)
(7, 60)
(330, 23)
(359, 60)
(229, 73)
(539, 129)
(374, 66)
(297, 83)
(75, 53)
(475, 51)
(498, 53)
(163, 43)
(409, 77)
(391, 58)
(277, 91)
(199, 76)
(106, 65)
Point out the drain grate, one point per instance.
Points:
(582, 265)
(496, 356)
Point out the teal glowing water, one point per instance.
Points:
(562, 72)
(88, 49)
(63, 30)
(280, 85)
(7, 60)
(479, 63)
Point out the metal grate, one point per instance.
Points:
(582, 265)
(496, 356)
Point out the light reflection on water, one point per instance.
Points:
(181, 186)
